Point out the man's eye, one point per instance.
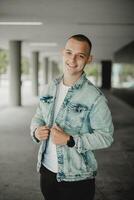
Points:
(68, 52)
(81, 56)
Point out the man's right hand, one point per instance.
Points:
(42, 132)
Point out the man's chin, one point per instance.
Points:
(71, 71)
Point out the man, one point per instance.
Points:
(71, 121)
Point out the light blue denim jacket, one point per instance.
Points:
(85, 115)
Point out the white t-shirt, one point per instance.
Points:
(50, 158)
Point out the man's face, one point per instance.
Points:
(75, 57)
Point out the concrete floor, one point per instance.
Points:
(18, 155)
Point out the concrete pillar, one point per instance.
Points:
(45, 70)
(50, 71)
(55, 70)
(106, 74)
(15, 73)
(35, 67)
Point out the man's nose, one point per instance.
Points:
(73, 58)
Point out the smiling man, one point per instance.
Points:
(75, 56)
(71, 121)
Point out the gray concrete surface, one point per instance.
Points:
(18, 154)
(125, 94)
(18, 177)
(116, 164)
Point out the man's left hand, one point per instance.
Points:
(59, 136)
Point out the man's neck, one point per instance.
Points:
(70, 80)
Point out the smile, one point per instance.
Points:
(71, 66)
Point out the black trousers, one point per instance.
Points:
(52, 189)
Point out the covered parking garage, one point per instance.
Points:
(38, 30)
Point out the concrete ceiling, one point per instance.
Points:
(108, 23)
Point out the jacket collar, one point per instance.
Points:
(78, 84)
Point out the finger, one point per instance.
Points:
(46, 131)
(44, 128)
(52, 129)
(47, 127)
(43, 132)
(52, 132)
(44, 136)
(58, 127)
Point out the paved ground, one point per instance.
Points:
(126, 94)
(18, 177)
(116, 165)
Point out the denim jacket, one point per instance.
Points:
(85, 115)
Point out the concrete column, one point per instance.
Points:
(50, 71)
(15, 73)
(106, 74)
(55, 70)
(35, 67)
(45, 70)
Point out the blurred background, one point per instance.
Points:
(32, 34)
(39, 30)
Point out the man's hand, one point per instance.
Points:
(42, 132)
(58, 135)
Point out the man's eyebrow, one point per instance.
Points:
(68, 49)
(84, 54)
(81, 53)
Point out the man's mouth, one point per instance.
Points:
(71, 66)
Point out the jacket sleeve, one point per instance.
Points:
(36, 122)
(101, 123)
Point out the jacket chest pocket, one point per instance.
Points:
(47, 105)
(76, 114)
(46, 99)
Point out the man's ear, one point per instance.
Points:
(90, 59)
